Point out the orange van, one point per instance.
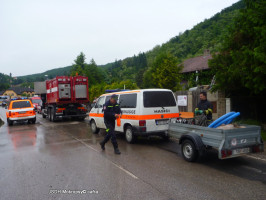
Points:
(20, 110)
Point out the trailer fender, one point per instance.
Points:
(195, 139)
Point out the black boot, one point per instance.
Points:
(102, 145)
(117, 151)
(115, 145)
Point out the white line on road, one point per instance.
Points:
(118, 166)
(129, 173)
(85, 144)
(255, 158)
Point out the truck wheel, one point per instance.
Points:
(129, 133)
(81, 118)
(189, 151)
(33, 120)
(10, 123)
(49, 113)
(52, 114)
(94, 127)
(43, 115)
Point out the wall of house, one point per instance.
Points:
(221, 105)
(10, 93)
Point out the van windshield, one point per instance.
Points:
(159, 99)
(21, 104)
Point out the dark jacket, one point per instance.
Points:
(110, 110)
(207, 107)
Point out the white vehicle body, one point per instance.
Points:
(146, 111)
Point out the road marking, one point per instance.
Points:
(123, 169)
(255, 158)
(81, 141)
(118, 166)
(253, 169)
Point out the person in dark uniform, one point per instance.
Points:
(205, 105)
(111, 112)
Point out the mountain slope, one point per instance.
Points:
(41, 76)
(205, 35)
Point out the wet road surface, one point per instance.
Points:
(63, 159)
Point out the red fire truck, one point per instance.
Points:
(64, 97)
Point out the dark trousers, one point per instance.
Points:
(110, 133)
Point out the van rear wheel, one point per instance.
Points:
(129, 134)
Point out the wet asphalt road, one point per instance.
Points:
(50, 160)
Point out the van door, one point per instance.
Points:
(99, 111)
(128, 105)
(161, 107)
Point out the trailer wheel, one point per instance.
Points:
(94, 127)
(189, 151)
(129, 133)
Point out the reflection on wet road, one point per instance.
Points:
(63, 160)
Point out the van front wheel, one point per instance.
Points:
(94, 127)
(129, 133)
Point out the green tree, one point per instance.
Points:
(148, 79)
(92, 71)
(241, 62)
(79, 65)
(166, 72)
(4, 82)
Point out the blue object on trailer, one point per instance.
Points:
(213, 124)
(227, 120)
(231, 118)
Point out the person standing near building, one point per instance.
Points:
(205, 106)
(111, 111)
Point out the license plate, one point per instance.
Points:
(162, 122)
(241, 151)
(22, 112)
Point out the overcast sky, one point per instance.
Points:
(38, 35)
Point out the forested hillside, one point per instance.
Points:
(41, 76)
(205, 35)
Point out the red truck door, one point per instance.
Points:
(80, 89)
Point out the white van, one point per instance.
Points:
(144, 112)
